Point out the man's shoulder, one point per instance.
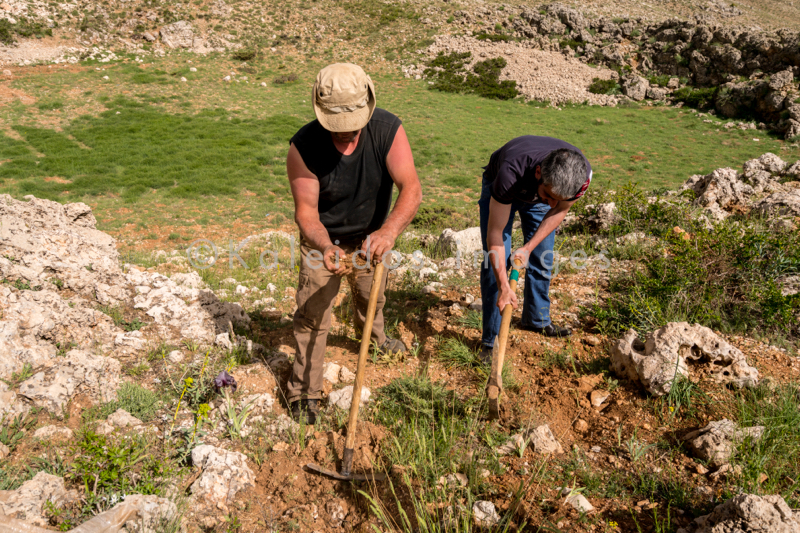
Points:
(307, 133)
(382, 116)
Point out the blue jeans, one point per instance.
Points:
(536, 302)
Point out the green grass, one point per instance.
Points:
(133, 398)
(234, 137)
(775, 454)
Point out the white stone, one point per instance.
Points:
(342, 398)
(656, 363)
(484, 513)
(53, 432)
(224, 474)
(330, 372)
(346, 375)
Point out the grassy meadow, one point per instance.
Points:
(144, 148)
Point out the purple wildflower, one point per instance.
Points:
(225, 380)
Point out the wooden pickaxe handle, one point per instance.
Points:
(495, 386)
(352, 424)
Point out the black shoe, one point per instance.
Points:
(305, 410)
(485, 355)
(550, 330)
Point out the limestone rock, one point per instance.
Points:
(484, 513)
(780, 204)
(604, 215)
(657, 93)
(656, 363)
(346, 375)
(118, 419)
(77, 372)
(466, 242)
(343, 397)
(717, 441)
(748, 512)
(543, 440)
(719, 192)
(580, 503)
(4, 451)
(53, 433)
(330, 371)
(153, 512)
(635, 88)
(282, 428)
(28, 502)
(224, 474)
(177, 35)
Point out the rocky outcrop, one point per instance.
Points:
(724, 191)
(466, 242)
(717, 441)
(78, 372)
(28, 502)
(719, 192)
(748, 512)
(62, 275)
(224, 474)
(662, 358)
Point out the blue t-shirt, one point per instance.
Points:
(512, 169)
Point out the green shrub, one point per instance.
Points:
(697, 98)
(724, 278)
(661, 80)
(450, 74)
(133, 398)
(245, 54)
(600, 86)
(494, 37)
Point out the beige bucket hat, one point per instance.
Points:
(344, 97)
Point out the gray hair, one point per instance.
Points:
(564, 170)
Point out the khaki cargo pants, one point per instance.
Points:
(316, 290)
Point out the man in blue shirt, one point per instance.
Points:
(539, 177)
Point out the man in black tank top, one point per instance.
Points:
(342, 168)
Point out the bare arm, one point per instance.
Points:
(305, 191)
(498, 218)
(400, 163)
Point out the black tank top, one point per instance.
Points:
(355, 191)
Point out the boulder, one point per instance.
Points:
(77, 372)
(153, 513)
(28, 502)
(177, 35)
(466, 242)
(719, 192)
(747, 512)
(118, 419)
(635, 88)
(717, 441)
(223, 475)
(342, 398)
(543, 441)
(53, 433)
(330, 372)
(780, 204)
(656, 363)
(602, 216)
(657, 93)
(793, 171)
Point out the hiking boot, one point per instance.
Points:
(550, 330)
(485, 355)
(392, 347)
(305, 410)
